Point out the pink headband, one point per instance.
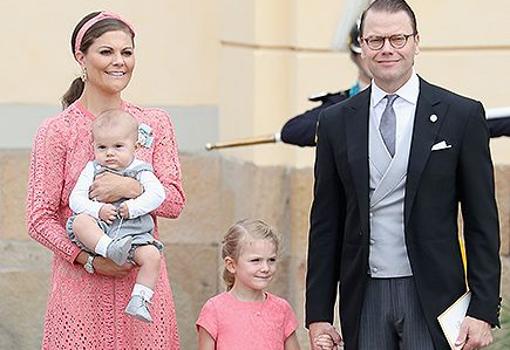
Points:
(84, 28)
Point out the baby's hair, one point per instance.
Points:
(114, 118)
(239, 232)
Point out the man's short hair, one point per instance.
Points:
(391, 6)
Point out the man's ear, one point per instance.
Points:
(417, 46)
(230, 264)
(362, 54)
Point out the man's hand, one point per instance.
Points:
(316, 329)
(474, 334)
(108, 213)
(324, 342)
(108, 188)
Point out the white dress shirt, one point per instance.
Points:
(404, 106)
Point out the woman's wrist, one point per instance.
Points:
(135, 188)
(81, 258)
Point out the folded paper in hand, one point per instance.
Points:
(451, 319)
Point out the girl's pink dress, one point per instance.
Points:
(235, 324)
(87, 311)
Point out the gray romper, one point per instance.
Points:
(140, 228)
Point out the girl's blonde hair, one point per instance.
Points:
(240, 231)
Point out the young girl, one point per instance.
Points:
(246, 316)
(120, 231)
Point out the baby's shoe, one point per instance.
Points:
(137, 308)
(118, 250)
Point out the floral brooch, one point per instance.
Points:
(145, 137)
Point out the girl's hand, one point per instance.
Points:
(324, 342)
(124, 211)
(108, 213)
(319, 329)
(107, 267)
(108, 188)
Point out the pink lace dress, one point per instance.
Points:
(87, 311)
(235, 324)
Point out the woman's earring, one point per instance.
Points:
(83, 75)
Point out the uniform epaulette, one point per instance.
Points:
(324, 96)
(318, 97)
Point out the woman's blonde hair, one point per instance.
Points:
(240, 231)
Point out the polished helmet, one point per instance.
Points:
(354, 44)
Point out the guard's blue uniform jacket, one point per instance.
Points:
(301, 130)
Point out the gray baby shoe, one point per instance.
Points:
(137, 308)
(118, 250)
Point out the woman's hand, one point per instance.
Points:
(107, 267)
(104, 266)
(109, 187)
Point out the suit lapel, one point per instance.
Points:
(357, 151)
(424, 136)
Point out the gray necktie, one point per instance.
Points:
(388, 125)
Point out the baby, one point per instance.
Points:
(120, 231)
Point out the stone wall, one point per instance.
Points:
(219, 192)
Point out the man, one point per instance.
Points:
(392, 165)
(301, 129)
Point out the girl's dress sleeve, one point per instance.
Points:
(291, 322)
(208, 319)
(45, 184)
(167, 167)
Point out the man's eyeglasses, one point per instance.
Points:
(397, 41)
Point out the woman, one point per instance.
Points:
(88, 294)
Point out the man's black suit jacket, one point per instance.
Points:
(437, 181)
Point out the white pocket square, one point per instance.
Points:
(440, 145)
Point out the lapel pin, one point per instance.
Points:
(433, 118)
